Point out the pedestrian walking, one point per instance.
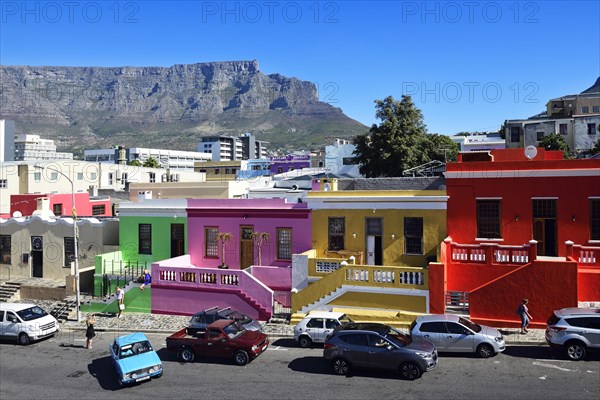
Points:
(120, 300)
(147, 279)
(90, 332)
(523, 312)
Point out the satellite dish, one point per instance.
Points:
(17, 214)
(530, 152)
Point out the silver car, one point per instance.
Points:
(453, 333)
(576, 330)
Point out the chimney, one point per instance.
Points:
(43, 208)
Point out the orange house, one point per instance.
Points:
(521, 224)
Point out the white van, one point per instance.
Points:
(26, 322)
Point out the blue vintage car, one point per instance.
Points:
(134, 358)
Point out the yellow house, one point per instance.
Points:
(370, 250)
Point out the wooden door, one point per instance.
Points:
(246, 246)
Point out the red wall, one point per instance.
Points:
(466, 277)
(27, 204)
(548, 286)
(588, 283)
(437, 288)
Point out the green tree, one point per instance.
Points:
(596, 148)
(135, 163)
(502, 130)
(151, 163)
(555, 142)
(400, 141)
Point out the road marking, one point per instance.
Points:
(277, 348)
(552, 366)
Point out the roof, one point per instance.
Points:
(325, 314)
(578, 311)
(15, 306)
(438, 317)
(131, 338)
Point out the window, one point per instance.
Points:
(145, 238)
(336, 228)
(544, 208)
(349, 161)
(37, 176)
(3, 183)
(456, 328)
(80, 176)
(54, 176)
(585, 109)
(331, 323)
(279, 170)
(93, 176)
(413, 235)
(595, 219)
(5, 249)
(98, 209)
(69, 251)
(596, 109)
(211, 245)
(124, 177)
(515, 134)
(562, 128)
(591, 129)
(315, 323)
(284, 243)
(152, 177)
(110, 178)
(488, 219)
(434, 327)
(356, 339)
(374, 226)
(539, 135)
(217, 171)
(57, 209)
(226, 171)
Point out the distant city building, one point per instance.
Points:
(290, 162)
(33, 148)
(173, 159)
(229, 148)
(7, 140)
(479, 141)
(575, 117)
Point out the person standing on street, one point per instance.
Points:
(90, 332)
(120, 300)
(523, 312)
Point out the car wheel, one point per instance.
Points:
(186, 354)
(341, 366)
(485, 350)
(304, 342)
(576, 350)
(24, 339)
(241, 357)
(410, 371)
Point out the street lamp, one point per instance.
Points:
(74, 235)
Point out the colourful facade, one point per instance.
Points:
(519, 227)
(62, 204)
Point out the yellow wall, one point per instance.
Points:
(382, 301)
(434, 224)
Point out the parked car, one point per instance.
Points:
(200, 321)
(371, 345)
(576, 330)
(26, 322)
(223, 338)
(134, 359)
(453, 333)
(317, 325)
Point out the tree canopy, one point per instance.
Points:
(400, 141)
(555, 142)
(151, 163)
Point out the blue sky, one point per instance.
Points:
(468, 65)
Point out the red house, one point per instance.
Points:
(61, 204)
(520, 225)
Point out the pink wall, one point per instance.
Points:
(263, 215)
(27, 203)
(276, 278)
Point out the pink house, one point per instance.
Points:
(203, 279)
(61, 204)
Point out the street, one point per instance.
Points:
(61, 368)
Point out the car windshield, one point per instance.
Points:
(233, 330)
(471, 325)
(133, 349)
(398, 337)
(344, 319)
(32, 313)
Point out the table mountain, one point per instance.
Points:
(87, 107)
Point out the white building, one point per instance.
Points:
(7, 140)
(173, 159)
(33, 148)
(228, 148)
(479, 141)
(340, 159)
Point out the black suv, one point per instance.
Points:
(372, 345)
(202, 319)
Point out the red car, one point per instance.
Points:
(223, 338)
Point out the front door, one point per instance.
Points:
(37, 256)
(246, 246)
(177, 240)
(374, 228)
(544, 226)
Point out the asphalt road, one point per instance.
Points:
(61, 368)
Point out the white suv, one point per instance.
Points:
(317, 325)
(574, 329)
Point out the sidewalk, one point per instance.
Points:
(167, 324)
